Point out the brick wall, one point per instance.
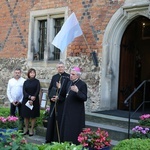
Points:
(93, 16)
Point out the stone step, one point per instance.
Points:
(115, 133)
(117, 127)
(111, 120)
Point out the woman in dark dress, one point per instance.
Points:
(30, 103)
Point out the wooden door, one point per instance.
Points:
(127, 63)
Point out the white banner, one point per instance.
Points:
(69, 31)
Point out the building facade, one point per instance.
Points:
(117, 30)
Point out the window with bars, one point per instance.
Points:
(54, 53)
(42, 38)
(42, 30)
(58, 24)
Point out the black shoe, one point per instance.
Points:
(30, 134)
(25, 133)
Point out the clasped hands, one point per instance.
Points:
(74, 88)
(15, 103)
(32, 99)
(58, 85)
(54, 98)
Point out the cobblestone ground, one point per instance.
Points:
(35, 139)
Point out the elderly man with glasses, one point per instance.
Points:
(73, 120)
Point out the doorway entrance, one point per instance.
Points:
(134, 61)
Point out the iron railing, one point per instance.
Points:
(128, 101)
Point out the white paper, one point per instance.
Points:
(28, 105)
(43, 104)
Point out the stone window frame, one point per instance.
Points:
(49, 15)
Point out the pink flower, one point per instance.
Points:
(94, 139)
(145, 116)
(8, 122)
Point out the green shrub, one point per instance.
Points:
(4, 111)
(39, 120)
(133, 144)
(60, 146)
(15, 141)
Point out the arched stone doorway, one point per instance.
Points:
(111, 51)
(134, 61)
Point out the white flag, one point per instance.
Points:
(69, 31)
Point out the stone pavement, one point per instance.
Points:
(35, 139)
(38, 137)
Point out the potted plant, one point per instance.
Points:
(143, 129)
(96, 140)
(45, 116)
(140, 132)
(145, 120)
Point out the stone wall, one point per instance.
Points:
(90, 74)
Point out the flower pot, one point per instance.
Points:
(104, 148)
(45, 122)
(4, 131)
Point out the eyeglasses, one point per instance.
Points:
(72, 74)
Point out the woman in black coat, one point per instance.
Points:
(73, 120)
(30, 103)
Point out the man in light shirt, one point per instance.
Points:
(15, 92)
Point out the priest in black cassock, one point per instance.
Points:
(73, 120)
(57, 86)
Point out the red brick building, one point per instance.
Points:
(118, 30)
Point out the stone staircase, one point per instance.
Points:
(117, 127)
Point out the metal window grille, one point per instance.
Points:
(42, 38)
(58, 24)
(42, 41)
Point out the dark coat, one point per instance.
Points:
(31, 87)
(73, 120)
(52, 132)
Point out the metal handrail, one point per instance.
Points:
(135, 90)
(128, 100)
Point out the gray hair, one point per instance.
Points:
(61, 63)
(18, 68)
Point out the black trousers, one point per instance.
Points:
(13, 109)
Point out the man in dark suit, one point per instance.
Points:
(57, 86)
(73, 120)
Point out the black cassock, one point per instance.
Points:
(54, 121)
(73, 120)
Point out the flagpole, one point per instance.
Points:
(86, 42)
(93, 53)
